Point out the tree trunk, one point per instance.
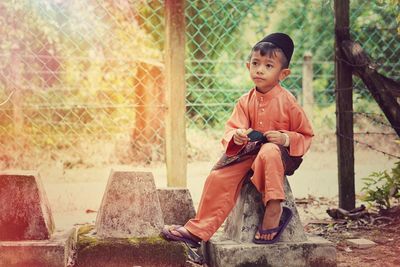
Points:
(383, 89)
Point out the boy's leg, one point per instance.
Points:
(220, 192)
(268, 179)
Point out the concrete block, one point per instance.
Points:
(234, 245)
(314, 252)
(360, 243)
(243, 221)
(130, 206)
(55, 252)
(24, 209)
(176, 205)
(94, 251)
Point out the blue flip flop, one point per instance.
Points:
(287, 214)
(188, 239)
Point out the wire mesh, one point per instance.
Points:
(82, 82)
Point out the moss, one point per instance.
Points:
(151, 251)
(85, 229)
(85, 240)
(150, 240)
(259, 263)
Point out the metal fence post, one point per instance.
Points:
(344, 109)
(308, 94)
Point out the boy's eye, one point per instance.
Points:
(254, 63)
(269, 66)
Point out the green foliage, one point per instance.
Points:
(324, 119)
(213, 43)
(375, 27)
(381, 187)
(79, 60)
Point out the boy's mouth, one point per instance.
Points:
(258, 78)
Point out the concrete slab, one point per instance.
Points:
(24, 209)
(314, 252)
(94, 251)
(55, 252)
(130, 206)
(360, 243)
(176, 205)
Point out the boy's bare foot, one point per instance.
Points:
(272, 215)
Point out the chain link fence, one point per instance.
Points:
(82, 82)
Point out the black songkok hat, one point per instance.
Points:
(281, 40)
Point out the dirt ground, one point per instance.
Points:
(383, 229)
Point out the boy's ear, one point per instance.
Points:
(283, 74)
(248, 65)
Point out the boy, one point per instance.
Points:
(272, 110)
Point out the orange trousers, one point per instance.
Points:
(223, 186)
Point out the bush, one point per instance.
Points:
(382, 188)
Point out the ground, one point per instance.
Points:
(75, 196)
(384, 254)
(380, 228)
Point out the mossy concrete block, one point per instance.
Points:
(24, 209)
(176, 205)
(314, 252)
(243, 221)
(94, 251)
(130, 206)
(54, 252)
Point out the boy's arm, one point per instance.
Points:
(238, 120)
(300, 133)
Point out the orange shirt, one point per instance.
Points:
(274, 110)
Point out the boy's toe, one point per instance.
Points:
(257, 235)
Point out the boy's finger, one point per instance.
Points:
(242, 133)
(239, 132)
(237, 141)
(274, 134)
(243, 138)
(239, 138)
(268, 133)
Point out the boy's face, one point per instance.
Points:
(265, 71)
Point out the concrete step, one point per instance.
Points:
(57, 251)
(95, 251)
(314, 252)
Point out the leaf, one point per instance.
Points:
(392, 191)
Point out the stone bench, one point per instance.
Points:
(234, 245)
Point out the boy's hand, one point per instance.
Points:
(276, 137)
(240, 137)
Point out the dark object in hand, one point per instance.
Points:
(256, 136)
